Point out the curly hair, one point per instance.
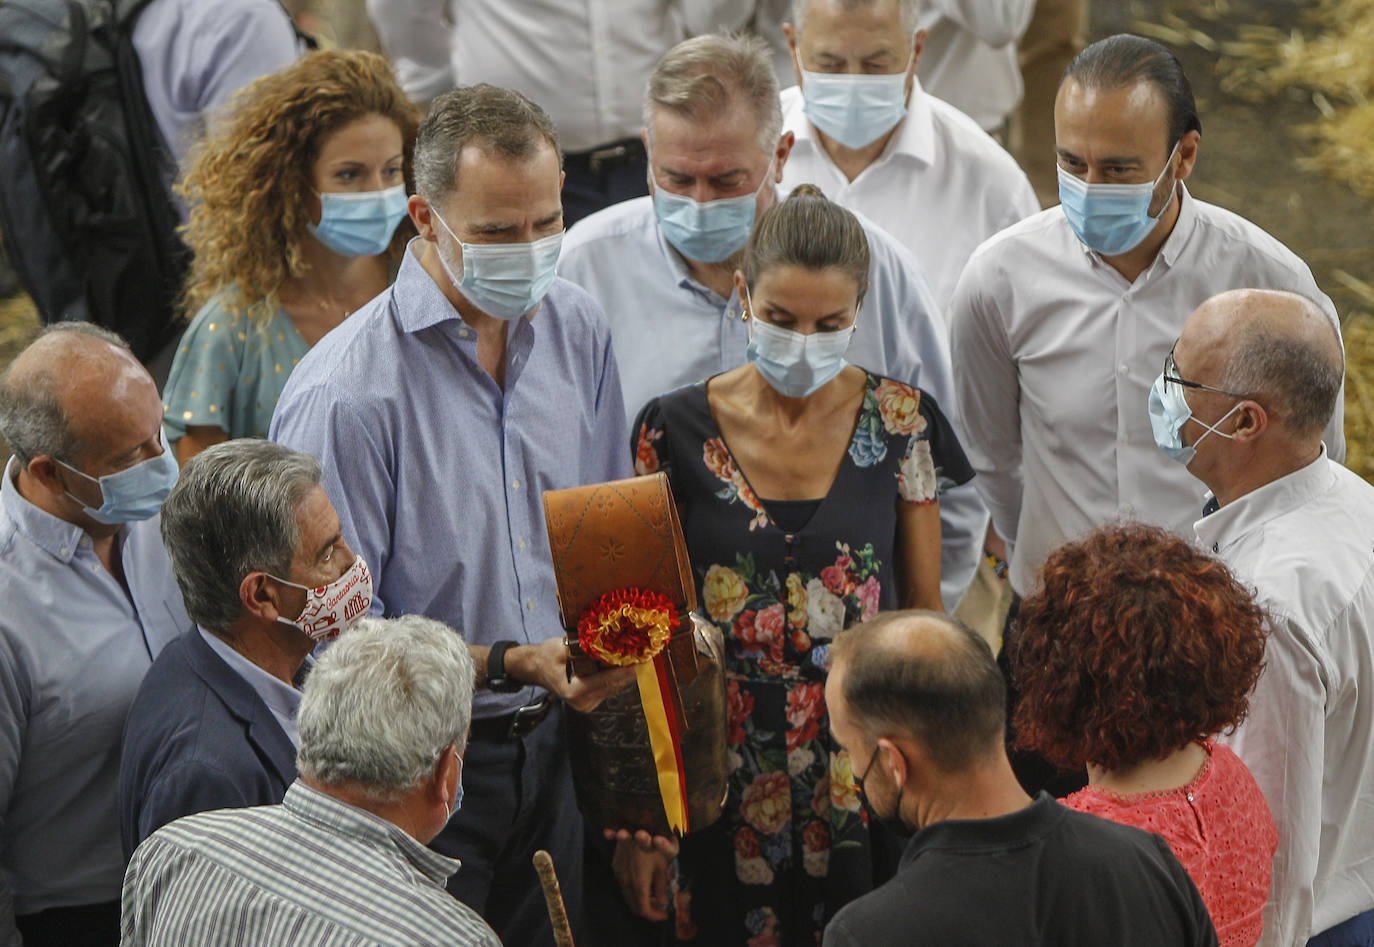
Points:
(1134, 645)
(250, 177)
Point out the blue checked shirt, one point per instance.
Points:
(310, 872)
(437, 473)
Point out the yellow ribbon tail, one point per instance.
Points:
(663, 739)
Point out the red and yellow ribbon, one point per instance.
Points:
(631, 627)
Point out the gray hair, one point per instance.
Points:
(1293, 376)
(908, 10)
(31, 417)
(231, 513)
(383, 703)
(700, 78)
(500, 121)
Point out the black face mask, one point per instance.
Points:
(891, 824)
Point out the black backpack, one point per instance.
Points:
(87, 220)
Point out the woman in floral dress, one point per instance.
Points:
(808, 495)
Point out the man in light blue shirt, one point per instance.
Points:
(441, 412)
(89, 601)
(194, 55)
(256, 549)
(664, 271)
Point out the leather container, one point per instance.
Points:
(626, 534)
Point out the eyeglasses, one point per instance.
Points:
(1171, 377)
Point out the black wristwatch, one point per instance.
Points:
(497, 679)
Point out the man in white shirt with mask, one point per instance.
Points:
(585, 63)
(870, 137)
(1241, 404)
(663, 266)
(1060, 323)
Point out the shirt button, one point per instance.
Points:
(515, 484)
(529, 605)
(65, 551)
(463, 333)
(1216, 547)
(522, 544)
(1121, 369)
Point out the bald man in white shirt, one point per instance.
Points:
(1060, 323)
(870, 137)
(1242, 402)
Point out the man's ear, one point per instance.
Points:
(895, 762)
(1252, 420)
(43, 469)
(447, 773)
(258, 595)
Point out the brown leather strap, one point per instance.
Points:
(616, 535)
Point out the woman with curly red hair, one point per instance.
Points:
(297, 197)
(1134, 652)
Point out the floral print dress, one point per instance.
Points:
(793, 845)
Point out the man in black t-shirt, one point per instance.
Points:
(918, 702)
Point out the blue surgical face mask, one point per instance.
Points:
(505, 280)
(1169, 411)
(709, 232)
(793, 363)
(854, 109)
(360, 224)
(135, 493)
(1111, 218)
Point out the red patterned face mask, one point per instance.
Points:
(336, 607)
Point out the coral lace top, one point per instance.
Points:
(1218, 826)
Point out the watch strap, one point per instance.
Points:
(497, 678)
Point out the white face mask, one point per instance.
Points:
(333, 608)
(795, 364)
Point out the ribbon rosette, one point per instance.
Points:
(630, 628)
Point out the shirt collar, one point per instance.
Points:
(279, 696)
(1237, 519)
(677, 265)
(420, 303)
(915, 137)
(1178, 237)
(312, 805)
(57, 537)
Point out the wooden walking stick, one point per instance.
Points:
(553, 899)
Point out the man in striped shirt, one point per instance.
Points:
(341, 861)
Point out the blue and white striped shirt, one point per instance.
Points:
(310, 872)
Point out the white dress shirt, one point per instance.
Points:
(1305, 542)
(970, 55)
(1054, 355)
(941, 186)
(196, 54)
(585, 62)
(668, 330)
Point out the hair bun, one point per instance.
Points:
(806, 190)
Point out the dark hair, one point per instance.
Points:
(808, 231)
(1123, 60)
(950, 697)
(501, 121)
(1134, 645)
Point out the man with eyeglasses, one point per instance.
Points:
(917, 701)
(1242, 402)
(1060, 322)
